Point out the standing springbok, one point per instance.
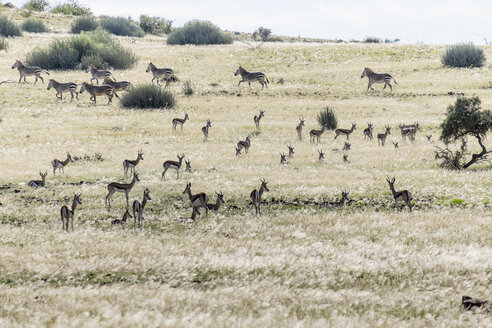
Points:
(256, 196)
(98, 74)
(138, 207)
(60, 165)
(299, 128)
(96, 90)
(291, 151)
(409, 130)
(220, 200)
(67, 213)
(205, 130)
(157, 73)
(120, 187)
(252, 77)
(377, 78)
(396, 145)
(401, 195)
(129, 164)
(283, 159)
(257, 118)
(117, 86)
(28, 71)
(38, 183)
(316, 134)
(321, 155)
(245, 144)
(238, 151)
(341, 202)
(63, 87)
(188, 166)
(125, 218)
(368, 131)
(179, 121)
(346, 132)
(198, 200)
(382, 136)
(175, 165)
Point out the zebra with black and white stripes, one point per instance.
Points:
(63, 87)
(117, 86)
(377, 78)
(28, 71)
(97, 90)
(252, 77)
(98, 74)
(157, 73)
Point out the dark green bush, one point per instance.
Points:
(148, 97)
(85, 23)
(9, 5)
(121, 26)
(3, 44)
(198, 33)
(34, 25)
(93, 59)
(72, 7)
(372, 39)
(463, 55)
(155, 25)
(36, 5)
(328, 118)
(8, 27)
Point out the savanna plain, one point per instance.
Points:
(299, 263)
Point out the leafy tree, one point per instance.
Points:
(262, 34)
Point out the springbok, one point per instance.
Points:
(283, 159)
(98, 74)
(346, 146)
(345, 158)
(368, 131)
(377, 78)
(401, 195)
(198, 200)
(341, 202)
(245, 144)
(175, 165)
(138, 207)
(238, 151)
(63, 87)
(299, 128)
(97, 90)
(179, 121)
(220, 200)
(117, 86)
(346, 132)
(252, 77)
(316, 134)
(132, 164)
(38, 183)
(291, 151)
(67, 213)
(256, 196)
(257, 118)
(396, 144)
(28, 71)
(125, 218)
(409, 130)
(205, 130)
(321, 155)
(157, 73)
(428, 136)
(188, 166)
(382, 136)
(120, 187)
(60, 165)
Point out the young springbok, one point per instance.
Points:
(138, 207)
(188, 166)
(238, 151)
(220, 200)
(346, 146)
(291, 151)
(129, 164)
(345, 158)
(245, 144)
(67, 213)
(117, 86)
(401, 195)
(123, 220)
(252, 77)
(157, 73)
(63, 87)
(256, 196)
(396, 145)
(316, 134)
(60, 165)
(377, 78)
(38, 183)
(175, 165)
(368, 131)
(205, 129)
(321, 155)
(299, 128)
(198, 200)
(382, 136)
(283, 159)
(98, 74)
(257, 118)
(28, 71)
(97, 90)
(341, 202)
(179, 121)
(121, 187)
(346, 132)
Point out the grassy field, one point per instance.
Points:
(299, 264)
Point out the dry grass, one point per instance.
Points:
(365, 265)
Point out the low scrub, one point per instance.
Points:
(121, 26)
(155, 25)
(34, 26)
(72, 7)
(198, 33)
(148, 97)
(328, 118)
(8, 27)
(463, 56)
(84, 23)
(3, 44)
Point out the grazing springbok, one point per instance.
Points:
(121, 187)
(346, 132)
(38, 183)
(368, 131)
(117, 86)
(345, 158)
(256, 196)
(220, 200)
(157, 73)
(257, 118)
(252, 77)
(382, 136)
(129, 164)
(138, 207)
(245, 144)
(28, 71)
(188, 166)
(346, 146)
(238, 151)
(316, 134)
(409, 130)
(377, 78)
(429, 137)
(341, 202)
(67, 213)
(291, 151)
(198, 200)
(125, 218)
(283, 159)
(401, 195)
(96, 90)
(60, 165)
(63, 87)
(299, 128)
(180, 121)
(175, 165)
(396, 144)
(205, 129)
(98, 74)
(321, 155)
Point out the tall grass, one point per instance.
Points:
(463, 56)
(198, 33)
(8, 27)
(121, 26)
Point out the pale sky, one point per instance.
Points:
(433, 22)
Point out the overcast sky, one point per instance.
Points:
(439, 22)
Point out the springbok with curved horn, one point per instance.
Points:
(188, 166)
(60, 165)
(138, 207)
(377, 78)
(198, 200)
(125, 218)
(291, 151)
(245, 144)
(252, 77)
(346, 146)
(220, 200)
(321, 156)
(316, 134)
(368, 131)
(299, 128)
(256, 196)
(341, 202)
(175, 165)
(346, 132)
(121, 187)
(180, 121)
(382, 136)
(67, 213)
(283, 159)
(205, 130)
(401, 195)
(396, 144)
(257, 118)
(38, 183)
(28, 71)
(129, 164)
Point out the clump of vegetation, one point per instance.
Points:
(328, 118)
(84, 23)
(464, 119)
(36, 5)
(262, 34)
(155, 25)
(72, 7)
(188, 88)
(198, 33)
(79, 51)
(8, 27)
(9, 5)
(372, 39)
(121, 26)
(34, 26)
(148, 97)
(97, 157)
(3, 44)
(463, 56)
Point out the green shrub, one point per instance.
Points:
(34, 25)
(198, 33)
(148, 97)
(328, 118)
(3, 44)
(36, 5)
(9, 5)
(155, 25)
(8, 27)
(84, 23)
(463, 55)
(72, 7)
(93, 59)
(121, 26)
(262, 34)
(188, 88)
(372, 39)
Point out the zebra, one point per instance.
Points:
(98, 74)
(97, 90)
(29, 70)
(252, 77)
(157, 73)
(63, 87)
(117, 86)
(377, 78)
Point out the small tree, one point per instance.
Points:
(36, 5)
(262, 34)
(328, 118)
(155, 25)
(464, 119)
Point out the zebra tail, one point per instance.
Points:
(394, 80)
(46, 72)
(266, 78)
